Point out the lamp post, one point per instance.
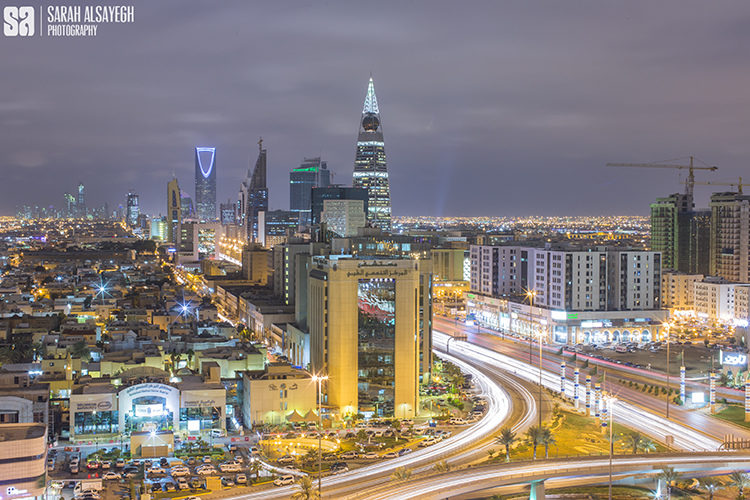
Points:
(610, 407)
(319, 379)
(530, 294)
(666, 325)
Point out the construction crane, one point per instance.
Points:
(689, 182)
(731, 184)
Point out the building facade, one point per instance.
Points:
(253, 196)
(365, 333)
(23, 460)
(270, 395)
(343, 217)
(730, 236)
(174, 211)
(132, 211)
(319, 195)
(678, 290)
(370, 167)
(205, 183)
(312, 173)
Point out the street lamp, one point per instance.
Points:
(319, 379)
(531, 295)
(610, 401)
(666, 325)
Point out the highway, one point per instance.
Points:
(464, 446)
(482, 482)
(656, 406)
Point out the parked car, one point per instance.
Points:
(106, 465)
(349, 455)
(391, 454)
(370, 455)
(227, 482)
(240, 479)
(120, 462)
(111, 475)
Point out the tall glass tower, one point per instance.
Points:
(205, 183)
(370, 170)
(312, 173)
(254, 195)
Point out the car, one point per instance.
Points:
(147, 464)
(93, 465)
(370, 455)
(120, 462)
(391, 454)
(129, 474)
(254, 450)
(156, 471)
(229, 467)
(170, 486)
(407, 421)
(286, 459)
(403, 451)
(156, 487)
(206, 471)
(193, 498)
(74, 468)
(182, 483)
(217, 433)
(192, 461)
(179, 471)
(232, 447)
(339, 467)
(75, 460)
(88, 495)
(284, 480)
(227, 482)
(206, 459)
(349, 454)
(106, 465)
(111, 475)
(163, 462)
(240, 479)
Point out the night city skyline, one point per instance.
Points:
(549, 95)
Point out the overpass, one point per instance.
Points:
(481, 482)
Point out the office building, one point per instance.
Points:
(81, 201)
(680, 233)
(312, 173)
(205, 183)
(362, 317)
(335, 192)
(174, 211)
(253, 196)
(269, 396)
(730, 236)
(343, 217)
(370, 168)
(23, 460)
(160, 229)
(133, 211)
(227, 212)
(274, 226)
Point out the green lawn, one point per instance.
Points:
(734, 414)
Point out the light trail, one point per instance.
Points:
(630, 415)
(498, 410)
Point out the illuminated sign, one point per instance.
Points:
(559, 315)
(152, 410)
(698, 397)
(732, 358)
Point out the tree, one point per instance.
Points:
(669, 476)
(739, 480)
(711, 485)
(307, 490)
(190, 353)
(80, 350)
(534, 437)
(401, 474)
(441, 467)
(506, 438)
(255, 467)
(647, 445)
(547, 439)
(633, 440)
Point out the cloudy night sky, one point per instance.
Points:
(488, 108)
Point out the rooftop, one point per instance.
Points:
(18, 432)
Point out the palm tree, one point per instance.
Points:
(254, 468)
(401, 474)
(506, 438)
(307, 490)
(739, 480)
(534, 437)
(547, 439)
(190, 353)
(634, 441)
(647, 445)
(669, 476)
(441, 467)
(711, 485)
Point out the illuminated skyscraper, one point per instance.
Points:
(312, 173)
(205, 183)
(174, 211)
(81, 203)
(133, 211)
(253, 196)
(370, 169)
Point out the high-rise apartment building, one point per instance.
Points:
(133, 210)
(370, 168)
(730, 236)
(205, 183)
(227, 212)
(312, 173)
(253, 196)
(174, 211)
(680, 233)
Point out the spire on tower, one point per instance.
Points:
(371, 101)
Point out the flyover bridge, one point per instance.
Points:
(480, 481)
